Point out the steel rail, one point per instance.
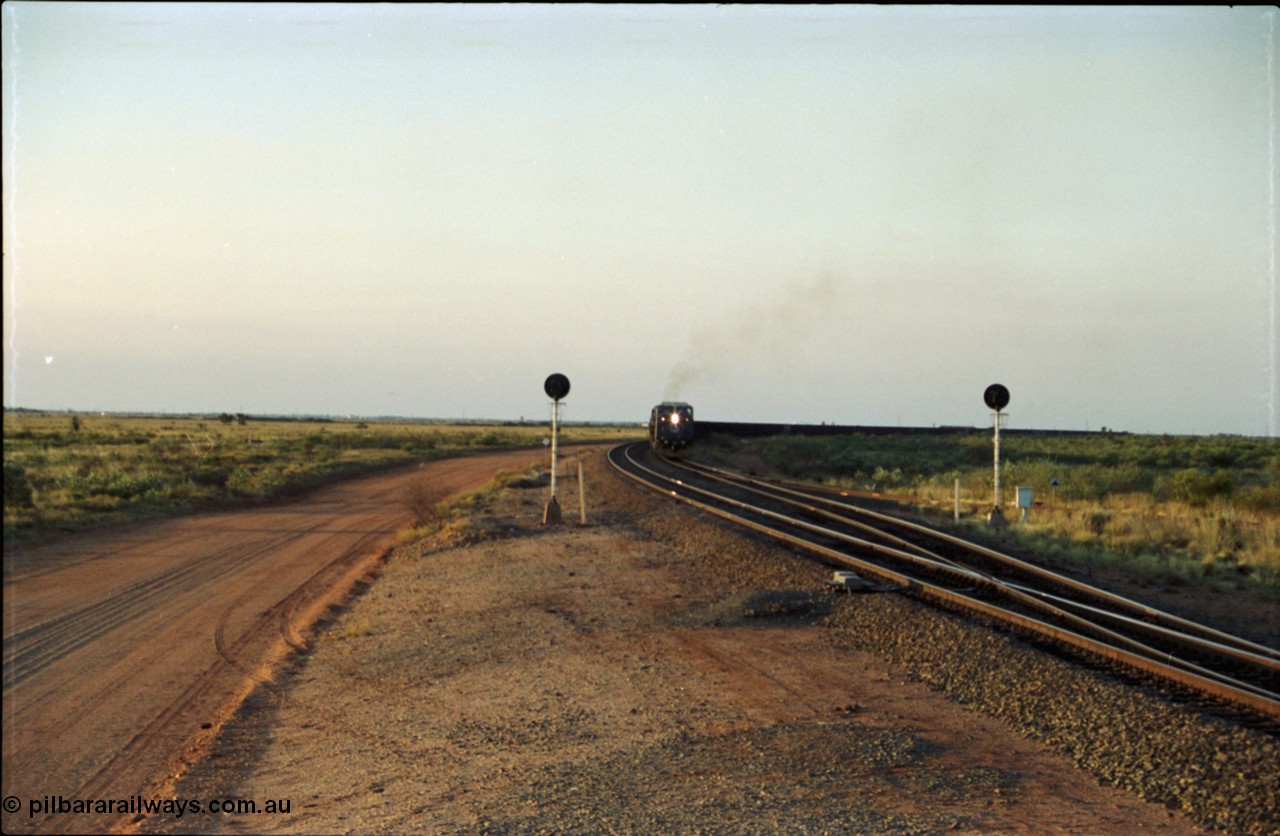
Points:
(1044, 602)
(1224, 643)
(1207, 683)
(1030, 598)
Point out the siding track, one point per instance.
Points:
(958, 574)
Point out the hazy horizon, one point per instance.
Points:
(855, 215)
(534, 420)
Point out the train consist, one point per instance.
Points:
(670, 427)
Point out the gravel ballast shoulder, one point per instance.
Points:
(654, 671)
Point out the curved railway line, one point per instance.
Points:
(958, 574)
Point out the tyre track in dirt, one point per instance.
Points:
(124, 654)
(30, 651)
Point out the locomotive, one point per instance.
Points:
(670, 427)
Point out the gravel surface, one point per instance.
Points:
(655, 671)
(1221, 773)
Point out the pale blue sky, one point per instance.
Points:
(781, 213)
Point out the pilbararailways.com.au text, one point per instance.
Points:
(53, 805)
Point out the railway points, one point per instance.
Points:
(955, 573)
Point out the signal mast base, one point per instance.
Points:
(551, 516)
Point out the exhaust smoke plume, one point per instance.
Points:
(768, 335)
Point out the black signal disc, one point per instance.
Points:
(556, 387)
(996, 397)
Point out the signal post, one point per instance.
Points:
(997, 398)
(556, 387)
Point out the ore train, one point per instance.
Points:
(670, 427)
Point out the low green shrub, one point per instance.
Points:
(17, 490)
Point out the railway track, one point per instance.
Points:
(947, 570)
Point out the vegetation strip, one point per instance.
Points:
(1181, 509)
(66, 472)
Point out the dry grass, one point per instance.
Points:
(1180, 508)
(426, 503)
(65, 471)
(354, 628)
(449, 520)
(1172, 539)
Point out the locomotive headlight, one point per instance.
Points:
(675, 417)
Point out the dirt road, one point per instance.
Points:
(125, 652)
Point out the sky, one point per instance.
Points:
(840, 214)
